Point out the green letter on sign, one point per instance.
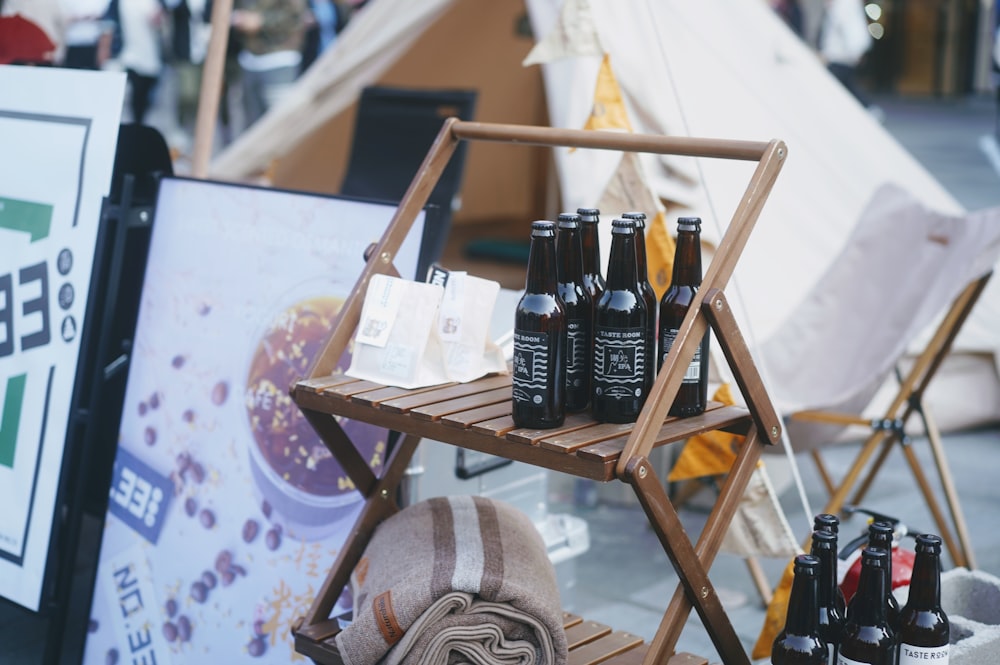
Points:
(11, 418)
(35, 219)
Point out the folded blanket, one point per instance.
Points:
(455, 580)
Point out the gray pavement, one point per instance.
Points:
(624, 579)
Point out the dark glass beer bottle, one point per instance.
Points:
(831, 523)
(867, 638)
(648, 294)
(619, 335)
(924, 630)
(800, 641)
(831, 619)
(579, 311)
(592, 278)
(692, 396)
(539, 366)
(880, 535)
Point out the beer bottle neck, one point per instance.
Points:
(640, 249)
(590, 248)
(622, 274)
(687, 259)
(803, 615)
(925, 583)
(868, 607)
(570, 256)
(827, 556)
(542, 264)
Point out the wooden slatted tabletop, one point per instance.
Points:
(477, 415)
(589, 643)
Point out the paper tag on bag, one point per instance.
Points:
(407, 352)
(380, 311)
(452, 308)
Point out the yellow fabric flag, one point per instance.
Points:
(608, 111)
(709, 454)
(659, 253)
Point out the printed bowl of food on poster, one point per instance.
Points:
(295, 472)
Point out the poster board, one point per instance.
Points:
(225, 509)
(58, 131)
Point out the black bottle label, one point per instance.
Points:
(576, 355)
(531, 367)
(619, 362)
(693, 372)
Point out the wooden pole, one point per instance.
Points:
(212, 82)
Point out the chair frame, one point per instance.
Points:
(890, 429)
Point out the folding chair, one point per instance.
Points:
(393, 131)
(902, 270)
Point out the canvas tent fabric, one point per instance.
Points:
(734, 70)
(714, 68)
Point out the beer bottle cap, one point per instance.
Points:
(623, 226)
(874, 556)
(569, 220)
(689, 223)
(543, 228)
(639, 217)
(823, 538)
(827, 521)
(881, 532)
(589, 214)
(928, 542)
(806, 564)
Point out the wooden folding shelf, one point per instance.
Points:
(477, 415)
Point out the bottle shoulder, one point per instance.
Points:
(916, 624)
(540, 304)
(621, 300)
(574, 295)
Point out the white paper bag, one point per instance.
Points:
(413, 334)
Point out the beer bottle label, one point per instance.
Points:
(531, 367)
(619, 362)
(844, 660)
(910, 655)
(693, 372)
(576, 354)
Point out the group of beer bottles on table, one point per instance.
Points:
(581, 341)
(822, 629)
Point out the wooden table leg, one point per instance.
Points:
(380, 503)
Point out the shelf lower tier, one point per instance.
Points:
(589, 643)
(477, 416)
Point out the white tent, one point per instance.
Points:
(731, 69)
(714, 68)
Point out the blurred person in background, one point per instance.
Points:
(189, 26)
(325, 21)
(47, 15)
(140, 22)
(843, 41)
(87, 35)
(272, 34)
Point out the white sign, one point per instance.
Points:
(58, 132)
(225, 509)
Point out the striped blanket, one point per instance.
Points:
(455, 580)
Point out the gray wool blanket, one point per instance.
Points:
(455, 580)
